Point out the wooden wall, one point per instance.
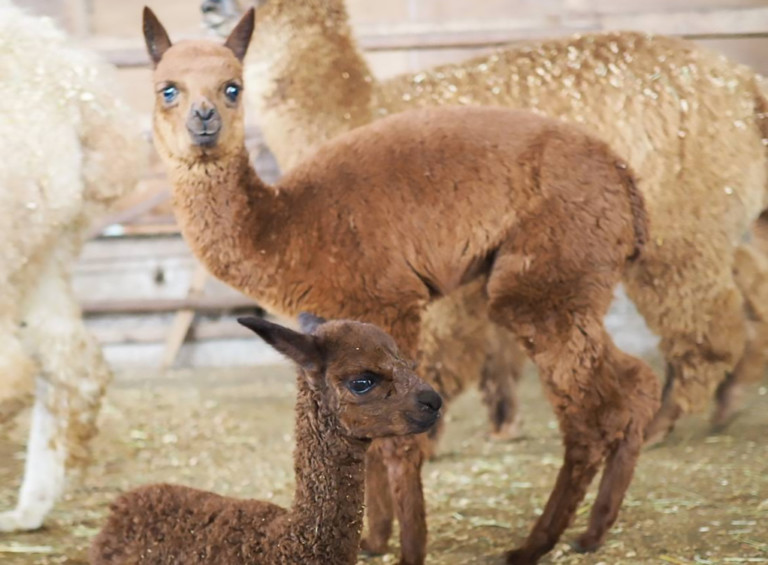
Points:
(398, 35)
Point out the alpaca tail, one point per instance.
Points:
(637, 207)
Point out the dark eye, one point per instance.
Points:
(363, 383)
(169, 94)
(232, 91)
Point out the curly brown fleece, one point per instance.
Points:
(363, 230)
(691, 123)
(173, 525)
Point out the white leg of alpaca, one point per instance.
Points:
(44, 470)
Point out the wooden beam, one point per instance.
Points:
(200, 304)
(691, 24)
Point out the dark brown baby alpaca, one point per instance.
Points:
(353, 386)
(385, 218)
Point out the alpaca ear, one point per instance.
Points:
(309, 322)
(240, 37)
(301, 348)
(155, 36)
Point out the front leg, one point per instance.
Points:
(44, 470)
(378, 504)
(403, 457)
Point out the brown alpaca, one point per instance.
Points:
(692, 124)
(547, 216)
(353, 386)
(458, 344)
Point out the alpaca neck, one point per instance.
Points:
(225, 212)
(327, 512)
(297, 110)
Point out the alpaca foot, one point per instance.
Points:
(19, 520)
(662, 425)
(508, 431)
(519, 557)
(371, 546)
(585, 544)
(729, 399)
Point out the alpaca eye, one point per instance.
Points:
(363, 384)
(232, 91)
(169, 94)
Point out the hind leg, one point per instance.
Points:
(498, 385)
(74, 377)
(696, 308)
(17, 373)
(587, 380)
(751, 275)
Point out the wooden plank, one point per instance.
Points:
(691, 24)
(132, 306)
(183, 319)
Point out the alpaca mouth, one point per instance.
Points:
(204, 138)
(423, 423)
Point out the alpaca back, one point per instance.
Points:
(70, 145)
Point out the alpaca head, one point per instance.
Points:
(355, 370)
(220, 16)
(198, 92)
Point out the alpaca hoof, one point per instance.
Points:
(728, 408)
(584, 544)
(17, 521)
(519, 557)
(373, 547)
(508, 432)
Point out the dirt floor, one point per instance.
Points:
(698, 499)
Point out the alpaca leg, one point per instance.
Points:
(378, 503)
(640, 391)
(44, 470)
(698, 312)
(403, 457)
(582, 461)
(751, 275)
(17, 369)
(498, 385)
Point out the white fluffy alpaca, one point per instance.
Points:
(69, 148)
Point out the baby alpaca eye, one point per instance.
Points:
(169, 94)
(232, 91)
(363, 384)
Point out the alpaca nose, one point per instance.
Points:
(429, 400)
(204, 114)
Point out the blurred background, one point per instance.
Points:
(146, 299)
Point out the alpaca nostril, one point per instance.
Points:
(429, 400)
(204, 114)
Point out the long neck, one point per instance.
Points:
(306, 78)
(327, 513)
(226, 214)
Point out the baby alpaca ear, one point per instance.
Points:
(240, 37)
(300, 348)
(309, 322)
(155, 36)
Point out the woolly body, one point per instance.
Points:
(70, 149)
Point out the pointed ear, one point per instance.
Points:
(240, 37)
(302, 349)
(309, 322)
(155, 36)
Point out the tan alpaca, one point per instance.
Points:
(353, 386)
(70, 148)
(547, 216)
(691, 123)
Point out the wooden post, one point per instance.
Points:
(183, 319)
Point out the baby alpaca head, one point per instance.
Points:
(198, 91)
(357, 372)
